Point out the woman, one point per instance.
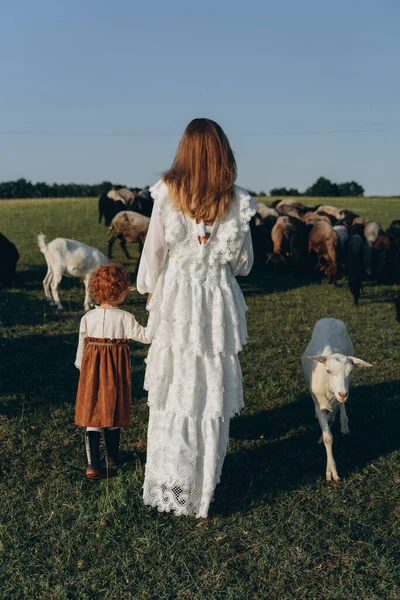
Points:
(198, 241)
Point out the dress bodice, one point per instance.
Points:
(182, 232)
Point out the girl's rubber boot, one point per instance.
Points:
(94, 470)
(115, 458)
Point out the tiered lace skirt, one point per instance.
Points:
(194, 381)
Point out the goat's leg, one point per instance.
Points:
(57, 276)
(124, 249)
(322, 416)
(344, 422)
(333, 275)
(47, 283)
(331, 420)
(367, 257)
(110, 246)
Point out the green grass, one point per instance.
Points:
(276, 528)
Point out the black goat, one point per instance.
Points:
(355, 267)
(8, 261)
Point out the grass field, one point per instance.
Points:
(276, 528)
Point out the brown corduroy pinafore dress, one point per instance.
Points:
(104, 390)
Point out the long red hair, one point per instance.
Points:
(201, 179)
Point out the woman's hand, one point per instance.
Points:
(149, 297)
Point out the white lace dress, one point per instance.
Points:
(198, 326)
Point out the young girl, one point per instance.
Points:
(104, 389)
(198, 241)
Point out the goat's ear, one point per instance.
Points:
(359, 362)
(321, 359)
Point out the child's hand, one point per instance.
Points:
(149, 297)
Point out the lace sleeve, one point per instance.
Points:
(247, 208)
(243, 263)
(154, 250)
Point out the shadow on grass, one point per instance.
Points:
(18, 307)
(378, 293)
(31, 276)
(38, 372)
(279, 451)
(264, 280)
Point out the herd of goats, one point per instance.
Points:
(287, 236)
(326, 239)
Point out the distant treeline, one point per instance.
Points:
(26, 189)
(321, 188)
(21, 188)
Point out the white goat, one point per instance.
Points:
(372, 231)
(328, 367)
(69, 258)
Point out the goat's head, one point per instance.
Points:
(275, 257)
(339, 370)
(331, 271)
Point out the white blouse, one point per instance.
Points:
(111, 323)
(155, 252)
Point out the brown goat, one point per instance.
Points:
(359, 221)
(331, 210)
(290, 243)
(323, 241)
(310, 218)
(291, 208)
(128, 226)
(280, 235)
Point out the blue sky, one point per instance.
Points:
(95, 90)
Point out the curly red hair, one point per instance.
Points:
(108, 282)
